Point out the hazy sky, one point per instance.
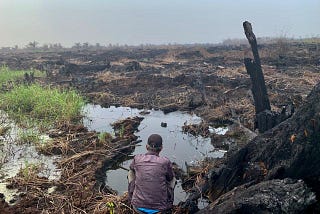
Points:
(135, 22)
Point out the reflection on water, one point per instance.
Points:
(177, 146)
(218, 130)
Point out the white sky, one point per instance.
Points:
(136, 22)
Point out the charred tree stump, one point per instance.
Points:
(259, 90)
(265, 119)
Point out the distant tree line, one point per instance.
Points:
(35, 46)
(271, 40)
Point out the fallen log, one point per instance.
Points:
(265, 197)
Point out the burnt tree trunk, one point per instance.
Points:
(265, 119)
(259, 90)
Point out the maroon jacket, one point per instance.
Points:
(150, 188)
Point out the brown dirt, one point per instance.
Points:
(209, 81)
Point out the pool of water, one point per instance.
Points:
(179, 147)
(14, 156)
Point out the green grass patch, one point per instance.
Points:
(104, 137)
(34, 137)
(29, 136)
(7, 74)
(30, 171)
(35, 105)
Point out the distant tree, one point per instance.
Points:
(85, 45)
(77, 45)
(32, 45)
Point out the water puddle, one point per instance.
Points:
(15, 156)
(218, 130)
(179, 147)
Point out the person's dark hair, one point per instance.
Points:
(154, 143)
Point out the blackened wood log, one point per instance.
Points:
(259, 90)
(265, 118)
(254, 69)
(274, 196)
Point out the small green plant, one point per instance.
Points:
(29, 171)
(111, 206)
(104, 137)
(33, 104)
(121, 131)
(29, 136)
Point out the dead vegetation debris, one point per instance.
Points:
(77, 189)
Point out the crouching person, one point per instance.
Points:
(151, 180)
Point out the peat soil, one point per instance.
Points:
(210, 81)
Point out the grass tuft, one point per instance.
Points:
(38, 105)
(105, 137)
(29, 136)
(30, 171)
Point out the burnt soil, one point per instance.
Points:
(210, 81)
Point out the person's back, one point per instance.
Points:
(153, 174)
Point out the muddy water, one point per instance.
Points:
(14, 156)
(179, 147)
